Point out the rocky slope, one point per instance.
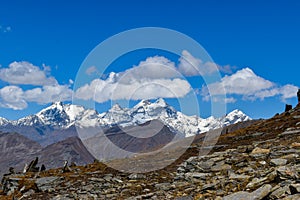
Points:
(261, 161)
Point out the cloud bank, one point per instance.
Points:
(250, 86)
(153, 78)
(46, 88)
(26, 73)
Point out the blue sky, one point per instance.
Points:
(260, 38)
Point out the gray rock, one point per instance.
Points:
(47, 183)
(279, 193)
(211, 186)
(289, 133)
(278, 161)
(206, 165)
(197, 175)
(255, 195)
(136, 176)
(262, 192)
(292, 197)
(256, 182)
(238, 196)
(287, 172)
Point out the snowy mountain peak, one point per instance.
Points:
(116, 107)
(234, 117)
(58, 104)
(237, 113)
(3, 121)
(63, 116)
(142, 103)
(161, 102)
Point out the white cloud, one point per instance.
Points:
(191, 66)
(250, 86)
(288, 91)
(153, 78)
(48, 94)
(113, 89)
(12, 97)
(27, 74)
(16, 98)
(157, 67)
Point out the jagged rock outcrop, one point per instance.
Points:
(32, 167)
(288, 107)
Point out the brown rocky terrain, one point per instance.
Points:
(261, 161)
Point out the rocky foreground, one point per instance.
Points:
(261, 161)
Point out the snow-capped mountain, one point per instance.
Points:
(62, 116)
(3, 121)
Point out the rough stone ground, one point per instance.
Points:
(261, 161)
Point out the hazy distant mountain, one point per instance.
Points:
(70, 149)
(16, 150)
(121, 142)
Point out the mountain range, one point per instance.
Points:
(59, 121)
(71, 132)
